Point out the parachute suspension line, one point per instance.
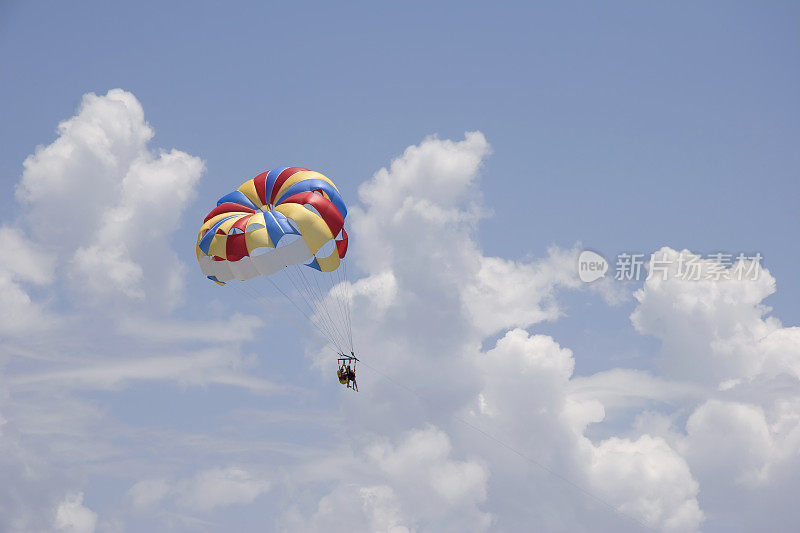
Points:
(275, 285)
(307, 313)
(322, 304)
(295, 302)
(320, 310)
(315, 306)
(338, 292)
(344, 299)
(331, 308)
(324, 295)
(308, 296)
(323, 315)
(261, 298)
(335, 292)
(348, 303)
(322, 299)
(302, 295)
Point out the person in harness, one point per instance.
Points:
(351, 376)
(347, 373)
(342, 375)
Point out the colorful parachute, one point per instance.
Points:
(287, 225)
(249, 232)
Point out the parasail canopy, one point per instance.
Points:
(280, 218)
(286, 225)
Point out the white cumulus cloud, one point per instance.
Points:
(107, 203)
(205, 491)
(74, 517)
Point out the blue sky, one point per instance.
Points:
(624, 127)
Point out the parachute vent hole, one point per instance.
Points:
(286, 240)
(326, 250)
(312, 209)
